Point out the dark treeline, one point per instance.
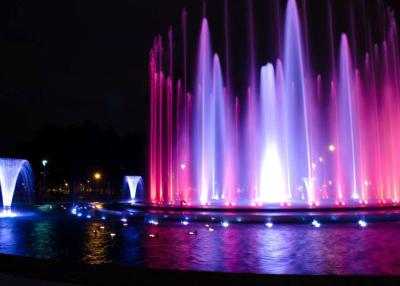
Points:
(75, 152)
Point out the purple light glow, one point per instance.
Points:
(287, 148)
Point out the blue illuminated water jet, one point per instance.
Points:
(135, 184)
(12, 172)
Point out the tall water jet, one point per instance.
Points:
(204, 119)
(348, 120)
(12, 171)
(296, 104)
(272, 177)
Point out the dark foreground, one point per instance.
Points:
(31, 271)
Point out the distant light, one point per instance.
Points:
(88, 216)
(44, 162)
(193, 232)
(316, 223)
(331, 148)
(103, 217)
(123, 219)
(184, 222)
(112, 234)
(183, 166)
(269, 224)
(321, 159)
(225, 224)
(97, 176)
(362, 223)
(210, 229)
(125, 224)
(73, 211)
(102, 227)
(79, 214)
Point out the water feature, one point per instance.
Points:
(12, 172)
(135, 185)
(296, 138)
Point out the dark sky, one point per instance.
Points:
(67, 61)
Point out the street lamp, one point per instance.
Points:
(44, 162)
(97, 176)
(44, 174)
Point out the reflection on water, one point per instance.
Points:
(97, 243)
(8, 237)
(289, 249)
(42, 239)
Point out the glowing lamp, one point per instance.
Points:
(97, 176)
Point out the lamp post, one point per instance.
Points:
(44, 174)
(97, 177)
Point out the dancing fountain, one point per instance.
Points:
(295, 139)
(12, 172)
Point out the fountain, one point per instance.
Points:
(13, 171)
(135, 185)
(297, 138)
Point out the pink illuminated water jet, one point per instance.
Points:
(288, 141)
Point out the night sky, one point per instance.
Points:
(64, 62)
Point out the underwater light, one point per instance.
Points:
(7, 214)
(316, 223)
(153, 222)
(362, 223)
(269, 224)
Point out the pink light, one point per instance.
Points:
(296, 140)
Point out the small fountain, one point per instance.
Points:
(135, 184)
(13, 171)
